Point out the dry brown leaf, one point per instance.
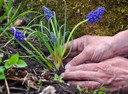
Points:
(18, 23)
(32, 84)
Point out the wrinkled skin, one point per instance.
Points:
(94, 49)
(112, 72)
(95, 60)
(90, 48)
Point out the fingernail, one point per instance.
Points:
(62, 75)
(67, 66)
(49, 57)
(67, 70)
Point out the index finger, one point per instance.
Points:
(85, 55)
(84, 67)
(78, 44)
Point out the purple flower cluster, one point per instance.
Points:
(47, 12)
(18, 34)
(53, 38)
(95, 16)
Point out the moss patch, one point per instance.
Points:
(115, 18)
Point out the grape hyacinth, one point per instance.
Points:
(47, 12)
(53, 38)
(95, 16)
(17, 34)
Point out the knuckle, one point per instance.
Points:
(86, 36)
(87, 51)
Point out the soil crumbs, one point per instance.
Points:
(27, 80)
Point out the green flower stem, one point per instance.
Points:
(54, 31)
(51, 67)
(59, 63)
(53, 27)
(72, 33)
(57, 60)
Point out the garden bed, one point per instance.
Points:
(33, 79)
(26, 80)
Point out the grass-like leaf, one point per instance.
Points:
(1, 3)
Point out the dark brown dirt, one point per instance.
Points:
(24, 80)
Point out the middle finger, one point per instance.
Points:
(84, 75)
(85, 67)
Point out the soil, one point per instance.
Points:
(25, 80)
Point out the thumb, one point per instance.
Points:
(79, 59)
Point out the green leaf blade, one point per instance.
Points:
(0, 59)
(2, 69)
(14, 59)
(8, 64)
(2, 1)
(2, 76)
(21, 63)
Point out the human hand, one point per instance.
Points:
(112, 72)
(90, 48)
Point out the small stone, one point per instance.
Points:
(1, 55)
(48, 90)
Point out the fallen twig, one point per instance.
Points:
(6, 83)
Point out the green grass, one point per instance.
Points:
(10, 16)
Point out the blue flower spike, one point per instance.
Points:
(47, 12)
(95, 16)
(17, 34)
(53, 38)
